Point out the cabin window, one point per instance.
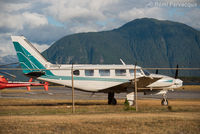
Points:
(120, 72)
(131, 71)
(104, 72)
(89, 72)
(76, 72)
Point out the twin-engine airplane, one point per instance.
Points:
(92, 78)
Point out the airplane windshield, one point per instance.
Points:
(146, 72)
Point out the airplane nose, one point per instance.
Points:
(178, 82)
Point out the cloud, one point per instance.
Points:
(15, 15)
(80, 29)
(45, 21)
(11, 21)
(44, 34)
(6, 46)
(17, 21)
(40, 47)
(13, 7)
(68, 10)
(134, 13)
(189, 16)
(34, 19)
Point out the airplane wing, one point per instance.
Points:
(142, 82)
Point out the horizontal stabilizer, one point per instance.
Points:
(35, 74)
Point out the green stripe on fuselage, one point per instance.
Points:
(168, 81)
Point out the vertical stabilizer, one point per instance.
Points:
(29, 57)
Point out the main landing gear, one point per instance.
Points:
(164, 101)
(111, 98)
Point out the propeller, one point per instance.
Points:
(156, 71)
(176, 73)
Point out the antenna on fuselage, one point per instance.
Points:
(122, 61)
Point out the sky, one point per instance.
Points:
(43, 22)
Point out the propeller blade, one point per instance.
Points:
(176, 73)
(8, 74)
(156, 71)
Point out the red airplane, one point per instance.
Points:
(5, 84)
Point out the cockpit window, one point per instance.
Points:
(146, 72)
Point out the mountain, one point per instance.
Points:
(149, 42)
(8, 59)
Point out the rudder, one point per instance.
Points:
(29, 57)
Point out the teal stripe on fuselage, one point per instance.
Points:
(168, 81)
(85, 78)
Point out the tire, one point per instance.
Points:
(164, 102)
(111, 99)
(109, 102)
(114, 101)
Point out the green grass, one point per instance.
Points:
(53, 107)
(166, 123)
(95, 116)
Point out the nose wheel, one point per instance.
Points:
(164, 101)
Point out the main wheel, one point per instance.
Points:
(164, 102)
(109, 102)
(112, 101)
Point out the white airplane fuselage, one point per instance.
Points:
(97, 81)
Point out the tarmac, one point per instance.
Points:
(64, 93)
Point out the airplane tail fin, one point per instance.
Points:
(31, 61)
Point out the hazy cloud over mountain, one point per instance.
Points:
(45, 21)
